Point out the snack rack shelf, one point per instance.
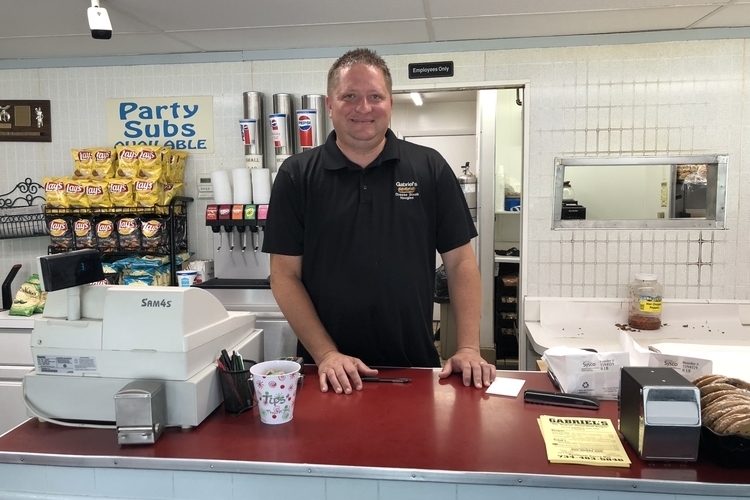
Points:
(22, 211)
(175, 213)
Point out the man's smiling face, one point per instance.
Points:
(360, 107)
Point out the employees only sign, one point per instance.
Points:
(184, 123)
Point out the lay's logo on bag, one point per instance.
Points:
(150, 228)
(147, 154)
(144, 185)
(54, 186)
(104, 228)
(73, 188)
(84, 155)
(58, 227)
(128, 154)
(82, 226)
(103, 155)
(118, 188)
(94, 190)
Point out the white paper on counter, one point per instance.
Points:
(506, 386)
(690, 367)
(728, 360)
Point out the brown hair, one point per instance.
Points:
(367, 57)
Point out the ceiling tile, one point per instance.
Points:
(734, 15)
(85, 46)
(467, 8)
(340, 35)
(201, 14)
(566, 24)
(56, 17)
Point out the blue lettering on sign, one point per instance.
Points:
(175, 111)
(146, 125)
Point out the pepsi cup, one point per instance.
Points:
(278, 129)
(306, 128)
(249, 130)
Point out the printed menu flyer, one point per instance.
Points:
(583, 441)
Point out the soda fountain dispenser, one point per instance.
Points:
(283, 126)
(253, 132)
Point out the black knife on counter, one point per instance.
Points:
(560, 399)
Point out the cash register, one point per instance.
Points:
(94, 340)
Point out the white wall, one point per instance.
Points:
(661, 98)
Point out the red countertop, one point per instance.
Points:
(428, 424)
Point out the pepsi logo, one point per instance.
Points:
(274, 124)
(305, 123)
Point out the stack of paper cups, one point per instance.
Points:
(222, 187)
(242, 187)
(261, 185)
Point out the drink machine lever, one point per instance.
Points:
(225, 219)
(212, 220)
(251, 222)
(262, 214)
(237, 221)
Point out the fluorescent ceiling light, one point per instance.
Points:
(417, 98)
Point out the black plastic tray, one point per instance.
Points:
(729, 451)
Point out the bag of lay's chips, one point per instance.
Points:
(104, 163)
(168, 191)
(154, 235)
(106, 236)
(147, 193)
(76, 193)
(85, 236)
(97, 193)
(54, 191)
(128, 232)
(84, 163)
(60, 232)
(121, 192)
(127, 162)
(150, 163)
(176, 166)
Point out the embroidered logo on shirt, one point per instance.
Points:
(406, 190)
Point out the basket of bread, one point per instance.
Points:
(725, 414)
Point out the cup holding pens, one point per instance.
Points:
(275, 384)
(237, 388)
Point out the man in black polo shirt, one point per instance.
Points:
(352, 231)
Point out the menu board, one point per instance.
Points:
(25, 121)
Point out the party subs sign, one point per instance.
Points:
(178, 122)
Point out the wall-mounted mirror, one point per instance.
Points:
(640, 192)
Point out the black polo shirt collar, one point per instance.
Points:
(334, 159)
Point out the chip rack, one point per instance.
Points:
(175, 213)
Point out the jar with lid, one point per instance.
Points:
(645, 303)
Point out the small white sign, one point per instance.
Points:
(184, 123)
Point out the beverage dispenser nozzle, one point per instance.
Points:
(230, 230)
(254, 232)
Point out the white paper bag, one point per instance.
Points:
(586, 373)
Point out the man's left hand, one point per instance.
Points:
(471, 366)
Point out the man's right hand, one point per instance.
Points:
(342, 373)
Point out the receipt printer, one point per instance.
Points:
(140, 412)
(660, 414)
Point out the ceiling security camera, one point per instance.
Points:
(101, 27)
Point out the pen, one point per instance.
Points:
(384, 379)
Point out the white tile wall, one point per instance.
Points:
(662, 98)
